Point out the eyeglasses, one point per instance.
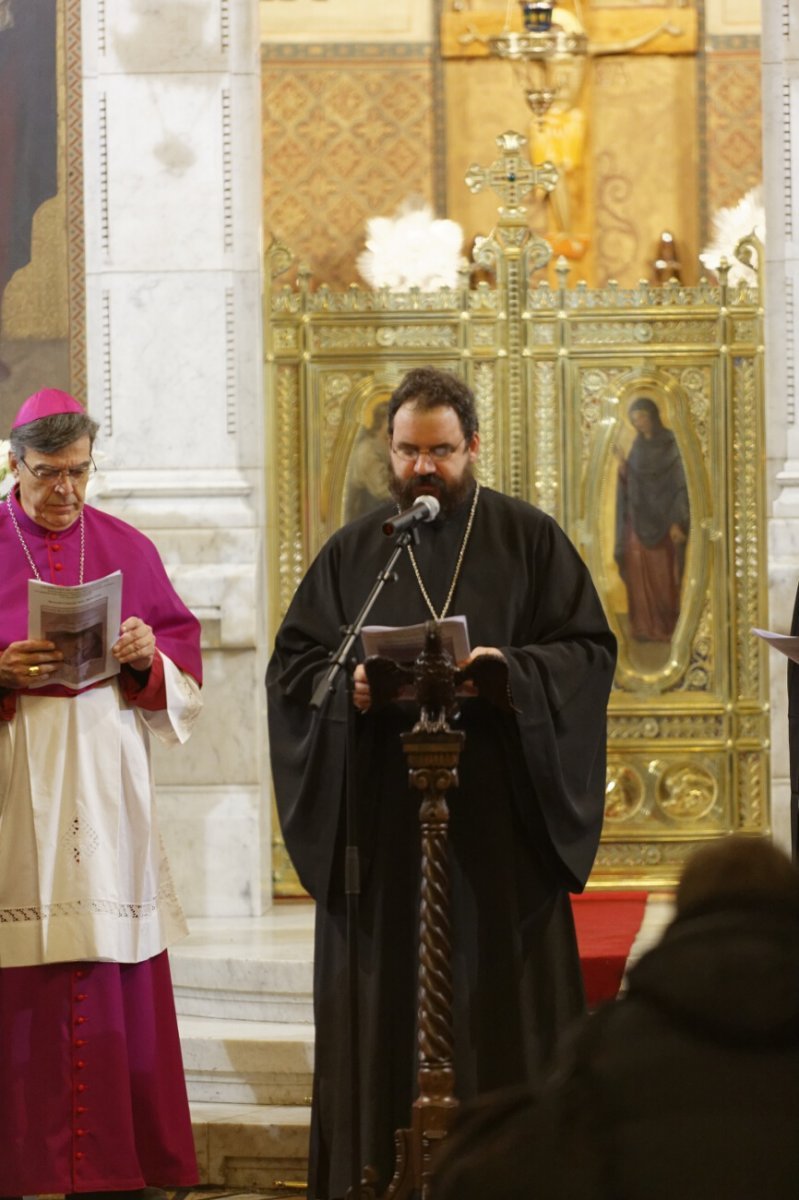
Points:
(55, 474)
(437, 453)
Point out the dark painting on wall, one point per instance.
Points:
(34, 299)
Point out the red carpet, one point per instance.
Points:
(606, 924)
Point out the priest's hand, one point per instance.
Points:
(492, 651)
(468, 687)
(136, 647)
(362, 693)
(22, 662)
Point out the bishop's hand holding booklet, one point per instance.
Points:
(83, 623)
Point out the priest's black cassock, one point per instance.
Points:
(524, 821)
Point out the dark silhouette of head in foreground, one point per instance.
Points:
(688, 1086)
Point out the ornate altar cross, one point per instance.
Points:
(512, 176)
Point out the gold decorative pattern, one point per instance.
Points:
(751, 726)
(751, 792)
(748, 517)
(546, 440)
(624, 793)
(643, 332)
(291, 558)
(678, 728)
(745, 331)
(483, 385)
(659, 862)
(686, 792)
(419, 337)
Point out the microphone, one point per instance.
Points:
(426, 508)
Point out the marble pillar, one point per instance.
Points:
(173, 279)
(780, 56)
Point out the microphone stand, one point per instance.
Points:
(359, 1190)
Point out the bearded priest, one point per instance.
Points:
(526, 815)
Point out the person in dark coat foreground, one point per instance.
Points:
(688, 1086)
(793, 735)
(525, 819)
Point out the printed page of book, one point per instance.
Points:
(404, 643)
(83, 622)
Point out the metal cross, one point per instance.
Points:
(512, 176)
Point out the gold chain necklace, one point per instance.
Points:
(25, 547)
(458, 564)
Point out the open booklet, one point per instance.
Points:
(786, 643)
(83, 622)
(404, 643)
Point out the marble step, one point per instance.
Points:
(251, 1147)
(247, 1062)
(247, 968)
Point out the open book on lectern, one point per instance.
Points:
(404, 643)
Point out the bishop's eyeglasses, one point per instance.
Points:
(45, 474)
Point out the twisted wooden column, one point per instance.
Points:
(433, 767)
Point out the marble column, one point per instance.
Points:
(173, 276)
(780, 55)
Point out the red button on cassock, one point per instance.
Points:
(80, 1041)
(82, 1087)
(80, 974)
(79, 1154)
(81, 996)
(81, 1020)
(80, 1064)
(58, 566)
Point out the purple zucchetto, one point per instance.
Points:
(46, 403)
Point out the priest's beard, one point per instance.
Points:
(449, 493)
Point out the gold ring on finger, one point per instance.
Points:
(34, 670)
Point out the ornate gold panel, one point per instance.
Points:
(575, 388)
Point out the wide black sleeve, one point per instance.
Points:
(560, 677)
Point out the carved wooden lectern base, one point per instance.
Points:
(433, 767)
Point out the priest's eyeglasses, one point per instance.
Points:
(438, 453)
(54, 475)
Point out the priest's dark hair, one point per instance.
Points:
(48, 435)
(429, 387)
